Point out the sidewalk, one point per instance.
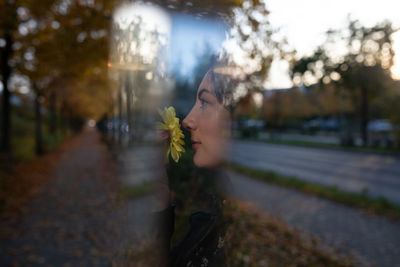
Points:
(371, 239)
(77, 219)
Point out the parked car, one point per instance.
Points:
(380, 133)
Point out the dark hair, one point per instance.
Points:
(224, 87)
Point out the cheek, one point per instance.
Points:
(219, 123)
(214, 132)
(211, 127)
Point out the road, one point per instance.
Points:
(325, 139)
(378, 175)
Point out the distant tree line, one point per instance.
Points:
(361, 75)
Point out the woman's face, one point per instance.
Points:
(209, 126)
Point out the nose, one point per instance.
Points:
(189, 122)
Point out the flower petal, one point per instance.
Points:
(175, 155)
(172, 126)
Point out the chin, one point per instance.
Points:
(205, 162)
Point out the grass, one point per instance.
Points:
(143, 189)
(23, 134)
(380, 206)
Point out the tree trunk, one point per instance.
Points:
(364, 115)
(38, 126)
(62, 119)
(53, 114)
(120, 114)
(114, 122)
(128, 92)
(6, 112)
(111, 118)
(276, 117)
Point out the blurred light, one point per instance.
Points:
(149, 75)
(23, 30)
(359, 58)
(81, 37)
(2, 42)
(235, 72)
(319, 64)
(98, 34)
(396, 47)
(258, 99)
(16, 46)
(91, 123)
(24, 90)
(22, 13)
(326, 80)
(309, 78)
(297, 80)
(55, 24)
(152, 26)
(126, 66)
(319, 74)
(335, 76)
(29, 55)
(155, 17)
(19, 83)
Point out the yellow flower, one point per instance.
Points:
(173, 128)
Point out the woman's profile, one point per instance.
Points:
(209, 125)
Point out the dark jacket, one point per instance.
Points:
(202, 244)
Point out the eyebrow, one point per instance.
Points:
(204, 91)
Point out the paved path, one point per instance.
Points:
(141, 163)
(370, 239)
(77, 219)
(352, 171)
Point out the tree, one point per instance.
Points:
(57, 44)
(364, 70)
(9, 22)
(250, 51)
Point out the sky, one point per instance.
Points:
(306, 21)
(190, 37)
(302, 23)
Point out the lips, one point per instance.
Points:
(195, 144)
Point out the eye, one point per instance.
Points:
(203, 103)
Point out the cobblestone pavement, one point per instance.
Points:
(370, 239)
(377, 174)
(77, 219)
